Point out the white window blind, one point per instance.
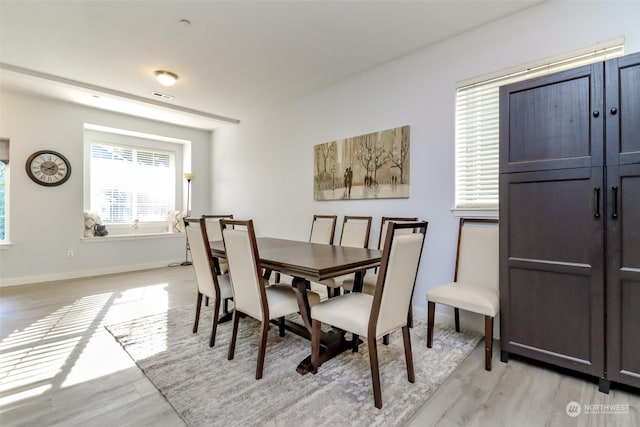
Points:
(128, 183)
(477, 124)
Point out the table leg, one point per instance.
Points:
(357, 281)
(332, 344)
(357, 287)
(300, 285)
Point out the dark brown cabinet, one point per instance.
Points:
(570, 220)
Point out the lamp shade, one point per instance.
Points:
(189, 176)
(4, 151)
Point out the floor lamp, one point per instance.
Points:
(189, 177)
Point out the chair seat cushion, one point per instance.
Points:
(368, 283)
(477, 299)
(349, 312)
(281, 300)
(225, 286)
(224, 266)
(330, 283)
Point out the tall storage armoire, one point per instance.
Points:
(570, 220)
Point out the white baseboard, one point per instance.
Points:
(26, 280)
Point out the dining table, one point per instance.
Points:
(312, 262)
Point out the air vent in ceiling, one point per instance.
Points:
(162, 95)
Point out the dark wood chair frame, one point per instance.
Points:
(348, 218)
(373, 318)
(200, 222)
(333, 218)
(385, 340)
(336, 291)
(263, 298)
(382, 222)
(488, 320)
(215, 259)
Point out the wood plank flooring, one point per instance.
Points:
(60, 367)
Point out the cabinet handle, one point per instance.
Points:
(596, 191)
(614, 213)
(596, 113)
(614, 111)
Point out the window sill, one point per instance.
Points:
(120, 237)
(487, 213)
(5, 244)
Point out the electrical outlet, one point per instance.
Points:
(70, 253)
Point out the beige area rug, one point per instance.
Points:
(206, 389)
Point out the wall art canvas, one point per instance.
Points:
(371, 166)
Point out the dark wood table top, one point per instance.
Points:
(310, 261)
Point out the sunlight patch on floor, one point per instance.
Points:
(33, 364)
(22, 395)
(46, 349)
(130, 304)
(71, 345)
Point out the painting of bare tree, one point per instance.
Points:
(371, 166)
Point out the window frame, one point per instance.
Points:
(118, 137)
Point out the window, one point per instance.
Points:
(477, 124)
(129, 183)
(132, 176)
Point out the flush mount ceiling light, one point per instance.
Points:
(166, 78)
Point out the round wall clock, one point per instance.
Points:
(48, 167)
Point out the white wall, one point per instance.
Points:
(263, 169)
(46, 222)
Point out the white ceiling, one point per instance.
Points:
(235, 59)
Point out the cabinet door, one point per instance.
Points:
(623, 274)
(623, 110)
(551, 267)
(553, 122)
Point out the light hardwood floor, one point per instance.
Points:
(60, 367)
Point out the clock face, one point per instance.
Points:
(48, 168)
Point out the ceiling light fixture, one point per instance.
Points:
(166, 78)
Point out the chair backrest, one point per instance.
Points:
(241, 249)
(477, 253)
(203, 262)
(213, 226)
(323, 228)
(355, 231)
(383, 227)
(397, 277)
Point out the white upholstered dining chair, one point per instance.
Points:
(475, 282)
(373, 316)
(215, 234)
(354, 234)
(323, 228)
(371, 277)
(213, 286)
(250, 294)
